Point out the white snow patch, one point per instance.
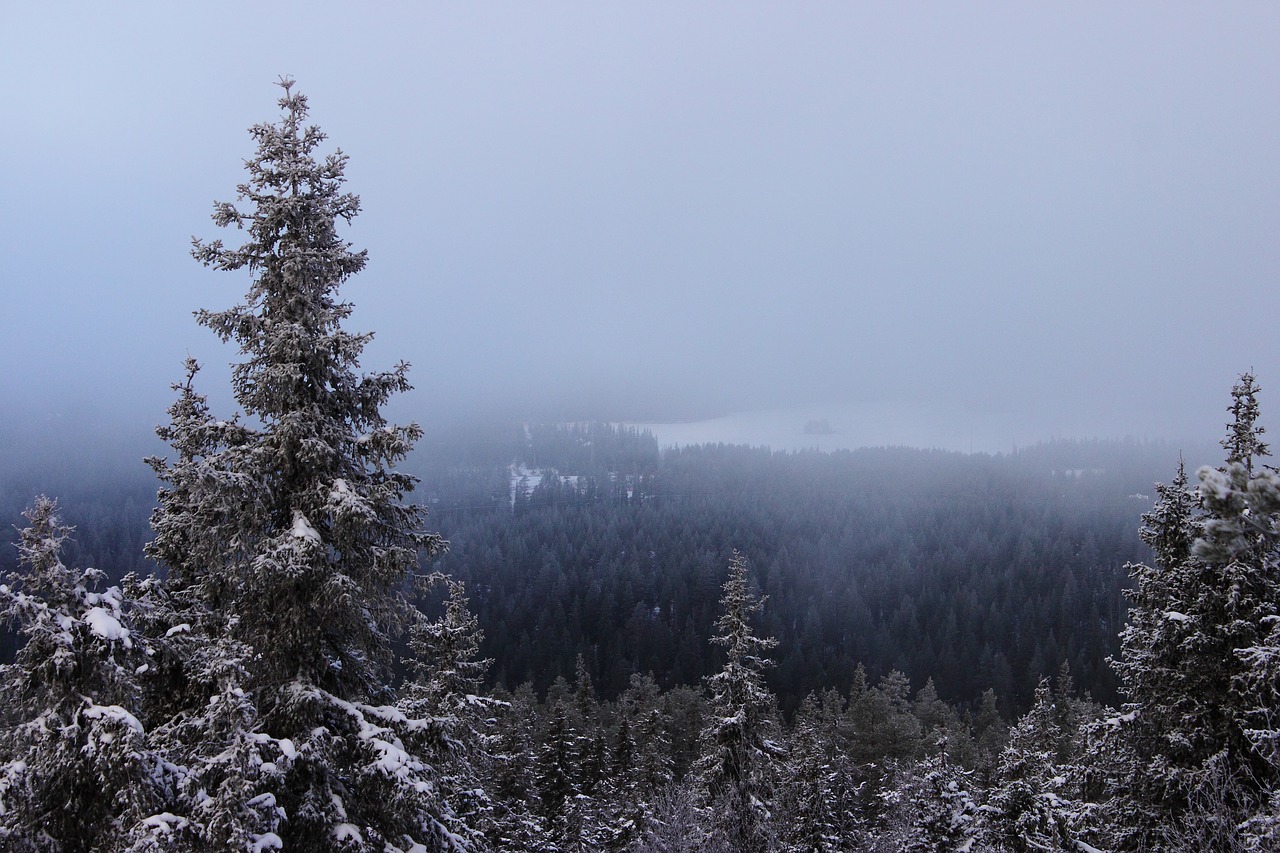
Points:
(530, 477)
(1175, 616)
(165, 823)
(107, 626)
(266, 841)
(348, 832)
(302, 528)
(111, 712)
(1114, 722)
(178, 629)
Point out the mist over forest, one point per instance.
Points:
(788, 429)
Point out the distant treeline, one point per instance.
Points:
(976, 571)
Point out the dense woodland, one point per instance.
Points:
(975, 571)
(709, 649)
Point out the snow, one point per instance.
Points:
(348, 832)
(1175, 616)
(1214, 483)
(111, 712)
(302, 528)
(178, 629)
(107, 626)
(532, 479)
(164, 823)
(266, 841)
(1114, 722)
(392, 758)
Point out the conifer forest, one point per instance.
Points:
(304, 627)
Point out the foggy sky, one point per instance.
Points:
(1062, 219)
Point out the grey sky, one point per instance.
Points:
(1060, 216)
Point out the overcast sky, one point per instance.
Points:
(1056, 215)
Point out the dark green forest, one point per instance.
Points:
(974, 570)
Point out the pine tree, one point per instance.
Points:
(206, 722)
(557, 769)
(989, 734)
(510, 777)
(1244, 437)
(739, 759)
(286, 527)
(445, 691)
(1260, 685)
(817, 796)
(76, 769)
(1184, 764)
(934, 808)
(1033, 806)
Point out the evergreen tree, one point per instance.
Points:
(1260, 684)
(817, 806)
(934, 809)
(1032, 807)
(289, 526)
(511, 777)
(76, 769)
(989, 734)
(558, 758)
(1185, 763)
(444, 690)
(739, 758)
(1244, 441)
(206, 722)
(654, 767)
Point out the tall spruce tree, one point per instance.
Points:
(740, 760)
(286, 526)
(1187, 763)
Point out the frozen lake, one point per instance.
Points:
(877, 425)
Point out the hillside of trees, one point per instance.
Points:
(708, 649)
(974, 571)
(978, 572)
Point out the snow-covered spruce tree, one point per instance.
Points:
(1260, 685)
(816, 803)
(932, 809)
(1183, 761)
(1136, 771)
(445, 688)
(287, 526)
(205, 721)
(1033, 806)
(1241, 542)
(739, 760)
(76, 772)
